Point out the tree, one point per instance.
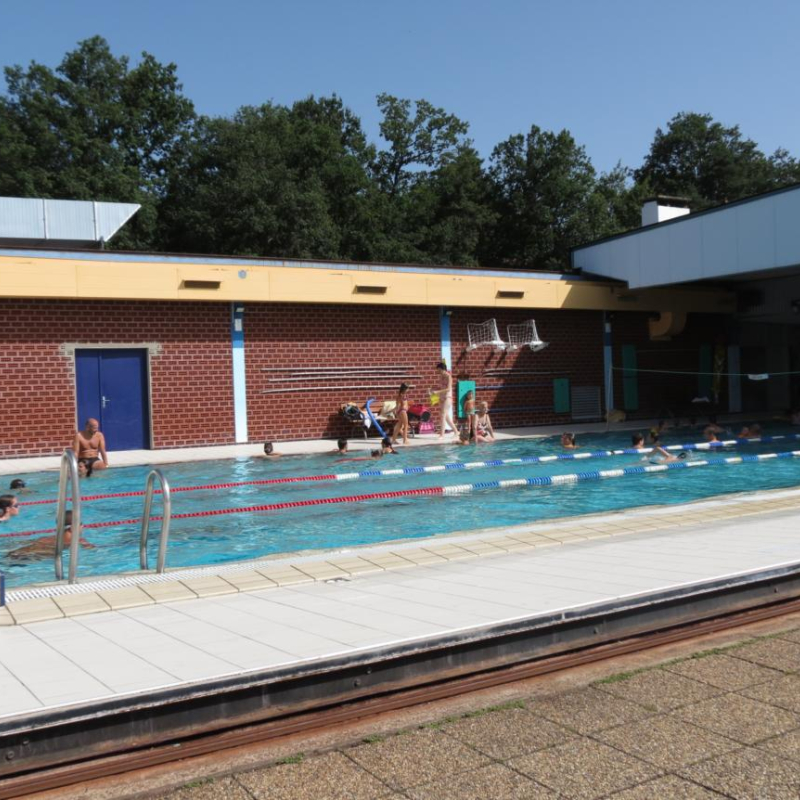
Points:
(275, 181)
(543, 185)
(709, 164)
(428, 138)
(95, 129)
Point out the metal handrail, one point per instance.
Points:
(69, 471)
(148, 502)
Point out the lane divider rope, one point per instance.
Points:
(446, 491)
(455, 465)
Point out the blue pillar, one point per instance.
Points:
(239, 378)
(444, 336)
(608, 372)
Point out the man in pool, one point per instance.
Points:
(341, 448)
(90, 446)
(270, 452)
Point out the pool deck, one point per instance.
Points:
(133, 458)
(74, 646)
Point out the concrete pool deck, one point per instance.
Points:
(72, 646)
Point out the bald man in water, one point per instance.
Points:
(90, 446)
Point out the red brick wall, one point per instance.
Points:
(575, 351)
(192, 401)
(659, 393)
(294, 336)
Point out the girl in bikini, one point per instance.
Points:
(483, 425)
(401, 414)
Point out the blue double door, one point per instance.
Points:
(112, 387)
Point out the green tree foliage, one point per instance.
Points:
(93, 129)
(709, 164)
(274, 181)
(543, 186)
(302, 181)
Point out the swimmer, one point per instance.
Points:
(464, 440)
(568, 441)
(269, 451)
(386, 446)
(19, 485)
(710, 434)
(341, 448)
(85, 469)
(46, 546)
(637, 441)
(373, 454)
(9, 507)
(750, 432)
(666, 457)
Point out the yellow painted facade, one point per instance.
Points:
(25, 276)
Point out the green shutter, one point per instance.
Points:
(462, 387)
(561, 396)
(705, 367)
(630, 382)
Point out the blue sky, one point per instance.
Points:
(610, 71)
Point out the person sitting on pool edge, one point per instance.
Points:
(269, 451)
(46, 546)
(568, 441)
(90, 445)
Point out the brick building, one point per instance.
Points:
(173, 351)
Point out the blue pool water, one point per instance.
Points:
(210, 540)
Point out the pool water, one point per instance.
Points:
(235, 537)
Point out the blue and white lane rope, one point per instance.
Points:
(577, 477)
(500, 462)
(434, 491)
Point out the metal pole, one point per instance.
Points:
(148, 503)
(69, 471)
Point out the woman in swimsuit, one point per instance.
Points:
(445, 399)
(483, 425)
(401, 414)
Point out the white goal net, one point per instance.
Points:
(525, 335)
(484, 334)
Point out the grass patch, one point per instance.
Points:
(198, 783)
(296, 759)
(373, 739)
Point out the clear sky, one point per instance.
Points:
(610, 71)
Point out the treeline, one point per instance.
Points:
(303, 181)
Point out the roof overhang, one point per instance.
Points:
(54, 223)
(751, 237)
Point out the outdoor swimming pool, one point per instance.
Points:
(204, 540)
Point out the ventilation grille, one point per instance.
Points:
(586, 402)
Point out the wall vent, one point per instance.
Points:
(586, 402)
(361, 289)
(508, 294)
(201, 284)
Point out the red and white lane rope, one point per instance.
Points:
(451, 467)
(464, 488)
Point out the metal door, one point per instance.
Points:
(111, 386)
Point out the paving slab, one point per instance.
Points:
(507, 733)
(723, 672)
(416, 758)
(667, 742)
(776, 653)
(496, 781)
(748, 774)
(670, 787)
(589, 710)
(739, 718)
(584, 769)
(659, 690)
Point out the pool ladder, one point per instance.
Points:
(69, 476)
(148, 502)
